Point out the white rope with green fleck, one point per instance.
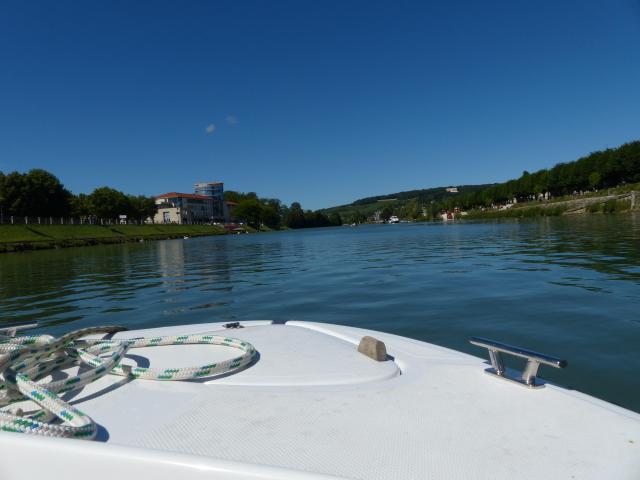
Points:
(26, 361)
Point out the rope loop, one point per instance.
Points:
(26, 361)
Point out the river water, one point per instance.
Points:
(566, 286)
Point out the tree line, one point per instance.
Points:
(38, 193)
(274, 214)
(602, 169)
(425, 195)
(599, 170)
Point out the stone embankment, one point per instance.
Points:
(579, 205)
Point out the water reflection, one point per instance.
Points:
(568, 286)
(171, 262)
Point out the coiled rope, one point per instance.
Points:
(26, 360)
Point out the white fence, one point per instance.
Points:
(16, 220)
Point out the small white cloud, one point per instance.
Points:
(232, 120)
(211, 128)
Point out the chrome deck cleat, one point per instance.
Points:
(534, 360)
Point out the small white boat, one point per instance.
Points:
(394, 219)
(317, 401)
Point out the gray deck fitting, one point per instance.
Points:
(373, 348)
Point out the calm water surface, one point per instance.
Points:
(564, 286)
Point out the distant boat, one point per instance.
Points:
(394, 219)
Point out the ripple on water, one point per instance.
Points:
(567, 286)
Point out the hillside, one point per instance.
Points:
(401, 200)
(606, 169)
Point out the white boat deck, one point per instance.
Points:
(313, 407)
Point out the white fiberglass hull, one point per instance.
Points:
(312, 407)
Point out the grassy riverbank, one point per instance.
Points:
(611, 201)
(34, 237)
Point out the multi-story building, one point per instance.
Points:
(210, 189)
(177, 207)
(215, 191)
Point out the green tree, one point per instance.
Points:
(316, 219)
(386, 213)
(108, 203)
(3, 206)
(36, 193)
(296, 216)
(15, 193)
(335, 219)
(249, 210)
(358, 217)
(269, 216)
(81, 206)
(141, 207)
(232, 196)
(594, 179)
(411, 209)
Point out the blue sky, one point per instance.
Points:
(317, 102)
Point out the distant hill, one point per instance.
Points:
(367, 206)
(603, 169)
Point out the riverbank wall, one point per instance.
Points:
(15, 238)
(607, 203)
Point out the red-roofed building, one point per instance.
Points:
(182, 195)
(175, 207)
